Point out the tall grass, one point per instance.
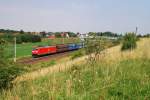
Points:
(116, 75)
(127, 80)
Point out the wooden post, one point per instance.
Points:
(15, 49)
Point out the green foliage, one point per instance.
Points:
(28, 38)
(94, 45)
(43, 34)
(18, 39)
(108, 34)
(8, 31)
(58, 34)
(129, 41)
(77, 54)
(47, 64)
(35, 38)
(8, 37)
(128, 79)
(8, 70)
(8, 73)
(72, 34)
(21, 32)
(24, 37)
(2, 55)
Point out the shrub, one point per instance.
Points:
(77, 54)
(129, 41)
(58, 35)
(94, 46)
(28, 38)
(8, 74)
(8, 37)
(8, 70)
(71, 34)
(36, 38)
(18, 39)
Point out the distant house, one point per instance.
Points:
(83, 35)
(51, 36)
(64, 34)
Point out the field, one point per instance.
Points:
(24, 50)
(114, 75)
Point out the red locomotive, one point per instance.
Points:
(44, 50)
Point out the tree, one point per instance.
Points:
(58, 34)
(109, 34)
(8, 31)
(94, 46)
(18, 39)
(43, 34)
(36, 38)
(21, 32)
(28, 38)
(8, 37)
(72, 34)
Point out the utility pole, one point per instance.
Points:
(136, 30)
(15, 49)
(63, 41)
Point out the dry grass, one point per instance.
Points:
(117, 75)
(110, 56)
(50, 70)
(114, 54)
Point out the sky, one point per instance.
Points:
(118, 16)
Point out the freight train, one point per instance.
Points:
(45, 50)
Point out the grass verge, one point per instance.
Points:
(116, 75)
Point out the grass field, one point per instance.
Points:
(24, 50)
(115, 76)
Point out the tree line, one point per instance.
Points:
(21, 38)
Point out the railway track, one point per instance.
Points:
(56, 56)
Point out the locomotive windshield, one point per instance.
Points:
(34, 49)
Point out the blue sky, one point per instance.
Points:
(76, 15)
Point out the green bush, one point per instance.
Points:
(7, 74)
(93, 44)
(36, 38)
(28, 38)
(129, 41)
(8, 37)
(8, 70)
(58, 34)
(18, 39)
(77, 54)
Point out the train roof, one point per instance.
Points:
(38, 47)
